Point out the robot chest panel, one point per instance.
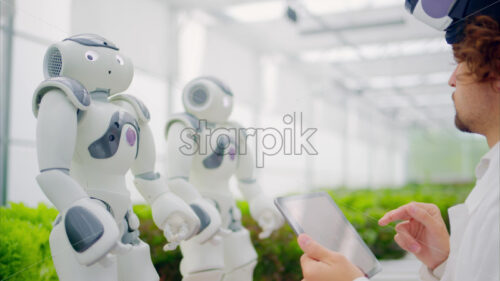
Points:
(217, 154)
(108, 137)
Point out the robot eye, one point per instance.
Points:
(120, 60)
(91, 56)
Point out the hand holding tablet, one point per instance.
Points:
(318, 216)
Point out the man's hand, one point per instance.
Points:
(422, 232)
(321, 264)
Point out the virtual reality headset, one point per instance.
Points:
(451, 15)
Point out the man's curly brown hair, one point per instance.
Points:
(480, 48)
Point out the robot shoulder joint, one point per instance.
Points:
(186, 119)
(74, 91)
(140, 109)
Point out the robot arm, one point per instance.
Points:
(262, 208)
(170, 213)
(90, 228)
(178, 169)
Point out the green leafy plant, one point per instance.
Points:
(25, 252)
(24, 247)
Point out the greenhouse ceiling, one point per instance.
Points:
(373, 49)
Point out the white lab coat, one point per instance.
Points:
(475, 230)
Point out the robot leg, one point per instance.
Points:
(202, 262)
(209, 275)
(243, 273)
(240, 256)
(135, 265)
(68, 268)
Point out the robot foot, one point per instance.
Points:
(242, 273)
(209, 275)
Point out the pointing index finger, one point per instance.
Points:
(401, 213)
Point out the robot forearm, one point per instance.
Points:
(208, 215)
(257, 200)
(183, 189)
(261, 207)
(249, 188)
(163, 202)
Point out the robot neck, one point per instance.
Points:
(100, 94)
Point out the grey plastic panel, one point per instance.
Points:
(107, 145)
(235, 224)
(214, 160)
(93, 40)
(77, 89)
(150, 176)
(141, 105)
(54, 62)
(82, 228)
(130, 236)
(57, 220)
(202, 215)
(248, 181)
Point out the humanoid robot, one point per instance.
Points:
(202, 168)
(88, 137)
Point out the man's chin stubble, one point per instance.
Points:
(461, 126)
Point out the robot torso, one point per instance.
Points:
(106, 148)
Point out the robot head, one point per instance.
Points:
(450, 15)
(209, 99)
(92, 60)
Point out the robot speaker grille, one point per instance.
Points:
(54, 62)
(198, 96)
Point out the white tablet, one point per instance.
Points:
(317, 215)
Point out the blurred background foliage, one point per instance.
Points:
(25, 252)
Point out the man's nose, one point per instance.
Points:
(452, 82)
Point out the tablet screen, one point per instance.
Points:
(317, 215)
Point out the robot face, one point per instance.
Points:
(92, 60)
(208, 99)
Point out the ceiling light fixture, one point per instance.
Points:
(256, 11)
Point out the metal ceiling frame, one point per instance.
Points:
(6, 35)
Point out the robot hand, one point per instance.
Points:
(267, 216)
(91, 230)
(177, 220)
(210, 228)
(269, 221)
(176, 229)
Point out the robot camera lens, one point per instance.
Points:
(91, 56)
(198, 96)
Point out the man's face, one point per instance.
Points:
(475, 102)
